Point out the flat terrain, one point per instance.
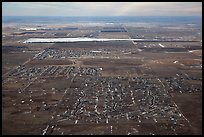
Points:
(102, 88)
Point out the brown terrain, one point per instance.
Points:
(127, 88)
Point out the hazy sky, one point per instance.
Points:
(102, 8)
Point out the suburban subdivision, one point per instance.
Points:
(101, 78)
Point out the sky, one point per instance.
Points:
(102, 8)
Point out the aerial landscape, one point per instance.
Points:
(96, 72)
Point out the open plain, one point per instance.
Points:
(102, 87)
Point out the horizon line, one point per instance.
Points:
(104, 16)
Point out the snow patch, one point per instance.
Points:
(161, 45)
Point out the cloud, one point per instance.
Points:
(102, 8)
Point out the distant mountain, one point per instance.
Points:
(102, 19)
